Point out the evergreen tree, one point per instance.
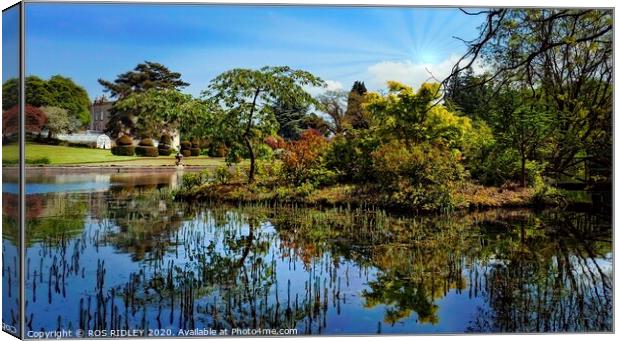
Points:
(145, 76)
(355, 112)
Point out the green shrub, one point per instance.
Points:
(304, 189)
(147, 151)
(351, 158)
(190, 180)
(38, 161)
(422, 164)
(186, 145)
(146, 142)
(124, 140)
(164, 150)
(219, 151)
(264, 152)
(501, 165)
(195, 144)
(270, 169)
(421, 177)
(195, 151)
(322, 177)
(165, 139)
(222, 175)
(123, 150)
(186, 152)
(534, 171)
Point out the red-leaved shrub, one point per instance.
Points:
(302, 158)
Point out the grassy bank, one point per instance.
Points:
(42, 154)
(467, 196)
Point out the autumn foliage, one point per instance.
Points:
(303, 157)
(35, 120)
(275, 142)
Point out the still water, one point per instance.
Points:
(112, 251)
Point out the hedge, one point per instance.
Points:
(147, 151)
(147, 142)
(124, 140)
(186, 145)
(195, 151)
(164, 150)
(186, 152)
(123, 150)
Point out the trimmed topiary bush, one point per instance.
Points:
(186, 152)
(220, 151)
(164, 150)
(124, 140)
(123, 150)
(147, 151)
(186, 145)
(146, 142)
(165, 139)
(195, 151)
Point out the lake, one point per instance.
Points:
(111, 251)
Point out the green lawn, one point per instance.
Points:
(59, 155)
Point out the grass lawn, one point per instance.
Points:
(60, 155)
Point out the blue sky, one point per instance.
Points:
(339, 44)
(10, 43)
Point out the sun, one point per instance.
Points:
(427, 57)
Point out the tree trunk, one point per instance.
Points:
(246, 137)
(522, 170)
(252, 159)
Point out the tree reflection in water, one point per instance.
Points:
(138, 260)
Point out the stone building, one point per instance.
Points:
(100, 116)
(100, 113)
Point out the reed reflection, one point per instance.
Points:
(133, 259)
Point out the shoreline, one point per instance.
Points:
(109, 168)
(352, 197)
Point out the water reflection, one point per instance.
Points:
(128, 257)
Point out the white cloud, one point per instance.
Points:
(330, 85)
(412, 74)
(333, 85)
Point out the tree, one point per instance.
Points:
(35, 121)
(58, 121)
(144, 76)
(563, 56)
(245, 96)
(67, 95)
(469, 94)
(290, 118)
(523, 124)
(333, 103)
(37, 92)
(58, 91)
(316, 122)
(415, 117)
(153, 112)
(355, 111)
